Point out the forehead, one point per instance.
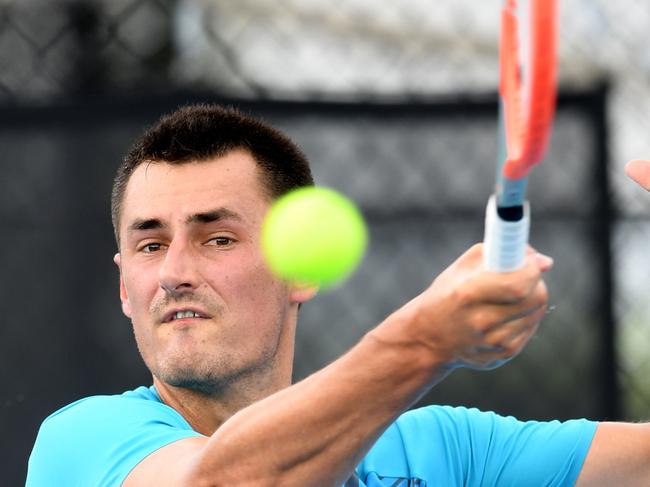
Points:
(166, 191)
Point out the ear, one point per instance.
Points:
(302, 293)
(124, 298)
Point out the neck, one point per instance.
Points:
(207, 411)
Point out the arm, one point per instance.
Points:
(618, 456)
(316, 432)
(619, 452)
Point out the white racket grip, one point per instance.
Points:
(505, 241)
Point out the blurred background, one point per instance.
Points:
(396, 107)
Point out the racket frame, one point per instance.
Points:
(526, 108)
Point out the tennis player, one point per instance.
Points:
(216, 330)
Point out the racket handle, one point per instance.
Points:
(505, 241)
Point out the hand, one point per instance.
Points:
(470, 317)
(639, 171)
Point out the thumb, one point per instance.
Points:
(544, 262)
(639, 171)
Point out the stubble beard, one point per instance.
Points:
(213, 372)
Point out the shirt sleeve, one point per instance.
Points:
(97, 441)
(440, 445)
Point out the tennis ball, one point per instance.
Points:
(314, 236)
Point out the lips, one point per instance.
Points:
(184, 313)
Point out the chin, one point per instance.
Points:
(190, 378)
(192, 371)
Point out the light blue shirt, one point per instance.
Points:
(97, 441)
(454, 446)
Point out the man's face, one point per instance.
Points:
(205, 309)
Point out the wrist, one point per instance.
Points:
(398, 341)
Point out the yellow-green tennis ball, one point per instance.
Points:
(314, 236)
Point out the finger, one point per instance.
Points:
(490, 317)
(508, 287)
(490, 357)
(471, 258)
(503, 336)
(518, 342)
(487, 358)
(475, 255)
(544, 262)
(499, 345)
(639, 171)
(487, 361)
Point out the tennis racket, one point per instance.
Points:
(527, 89)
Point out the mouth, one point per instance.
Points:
(184, 314)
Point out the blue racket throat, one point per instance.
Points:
(507, 216)
(511, 193)
(511, 196)
(507, 219)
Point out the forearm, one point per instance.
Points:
(315, 432)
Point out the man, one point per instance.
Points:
(216, 330)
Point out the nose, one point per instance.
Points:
(179, 270)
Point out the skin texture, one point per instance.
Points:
(173, 258)
(639, 171)
(228, 371)
(260, 430)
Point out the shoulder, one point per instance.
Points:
(108, 414)
(104, 436)
(450, 444)
(421, 444)
(140, 403)
(470, 423)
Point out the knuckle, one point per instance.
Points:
(513, 348)
(538, 317)
(472, 256)
(517, 290)
(519, 342)
(482, 320)
(542, 292)
(463, 297)
(538, 304)
(476, 249)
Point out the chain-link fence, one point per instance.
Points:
(395, 107)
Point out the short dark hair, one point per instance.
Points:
(196, 133)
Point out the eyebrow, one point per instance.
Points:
(213, 216)
(142, 224)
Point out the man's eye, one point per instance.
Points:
(150, 248)
(220, 241)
